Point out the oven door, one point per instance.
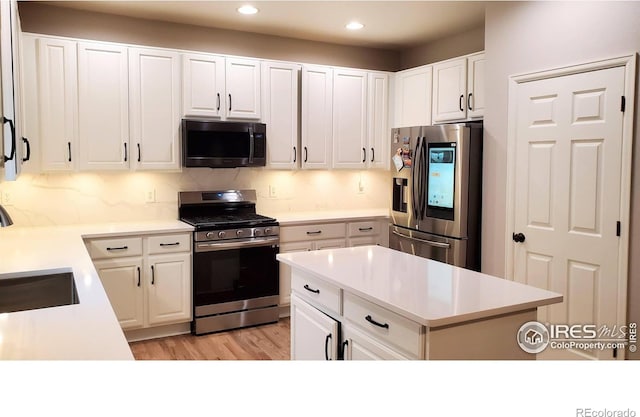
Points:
(234, 271)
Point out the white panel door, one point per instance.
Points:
(203, 85)
(475, 86)
(413, 97)
(154, 94)
(103, 107)
(449, 90)
(317, 102)
(349, 119)
(567, 189)
(243, 88)
(280, 113)
(314, 335)
(58, 103)
(123, 282)
(377, 116)
(168, 288)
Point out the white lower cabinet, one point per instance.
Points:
(356, 345)
(314, 335)
(147, 278)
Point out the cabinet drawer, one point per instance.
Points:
(115, 248)
(363, 228)
(169, 243)
(312, 232)
(391, 329)
(318, 291)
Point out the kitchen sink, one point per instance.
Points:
(35, 290)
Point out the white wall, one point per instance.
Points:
(529, 36)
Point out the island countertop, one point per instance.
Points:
(88, 330)
(428, 292)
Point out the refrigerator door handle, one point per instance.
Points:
(428, 242)
(415, 174)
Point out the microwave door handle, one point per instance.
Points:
(252, 142)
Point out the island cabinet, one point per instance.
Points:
(148, 281)
(387, 304)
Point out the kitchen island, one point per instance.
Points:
(378, 303)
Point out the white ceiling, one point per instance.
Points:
(388, 24)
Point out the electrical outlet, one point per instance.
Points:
(150, 196)
(360, 187)
(7, 198)
(273, 193)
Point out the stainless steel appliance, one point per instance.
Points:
(437, 192)
(215, 144)
(235, 272)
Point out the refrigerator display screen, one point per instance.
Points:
(441, 175)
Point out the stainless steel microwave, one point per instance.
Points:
(216, 144)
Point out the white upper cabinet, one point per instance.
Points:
(475, 86)
(377, 120)
(280, 113)
(317, 101)
(454, 98)
(203, 85)
(154, 97)
(57, 103)
(349, 119)
(103, 103)
(243, 88)
(413, 97)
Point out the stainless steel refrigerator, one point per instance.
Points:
(437, 192)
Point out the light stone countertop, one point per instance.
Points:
(88, 330)
(431, 293)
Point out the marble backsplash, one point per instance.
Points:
(56, 199)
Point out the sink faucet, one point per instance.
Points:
(5, 219)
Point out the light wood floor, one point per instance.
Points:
(269, 341)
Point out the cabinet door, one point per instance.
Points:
(58, 103)
(243, 88)
(357, 345)
(475, 86)
(314, 335)
(168, 288)
(413, 97)
(317, 96)
(377, 116)
(363, 241)
(103, 107)
(203, 85)
(330, 244)
(285, 270)
(154, 82)
(122, 281)
(450, 90)
(280, 113)
(349, 119)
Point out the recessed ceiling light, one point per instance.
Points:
(354, 25)
(247, 9)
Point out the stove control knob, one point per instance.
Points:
(209, 235)
(257, 232)
(239, 232)
(267, 231)
(222, 234)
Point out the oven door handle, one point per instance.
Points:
(235, 244)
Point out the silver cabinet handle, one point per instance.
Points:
(428, 242)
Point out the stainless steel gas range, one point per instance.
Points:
(235, 272)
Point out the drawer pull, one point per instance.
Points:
(326, 347)
(317, 232)
(118, 248)
(138, 276)
(308, 288)
(170, 244)
(372, 321)
(365, 229)
(344, 348)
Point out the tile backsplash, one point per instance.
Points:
(55, 199)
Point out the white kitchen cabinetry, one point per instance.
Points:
(377, 120)
(243, 88)
(280, 82)
(316, 110)
(357, 345)
(154, 83)
(203, 85)
(103, 106)
(458, 88)
(413, 96)
(57, 103)
(349, 119)
(147, 279)
(314, 335)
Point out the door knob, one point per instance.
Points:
(519, 237)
